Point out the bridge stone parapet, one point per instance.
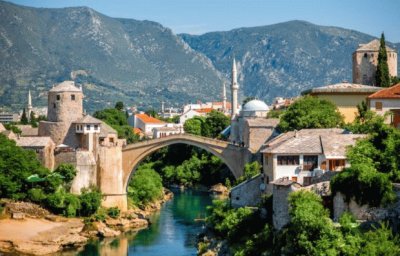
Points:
(233, 156)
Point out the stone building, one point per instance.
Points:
(365, 61)
(346, 96)
(302, 155)
(43, 146)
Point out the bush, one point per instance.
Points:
(113, 212)
(36, 195)
(68, 171)
(366, 185)
(90, 201)
(145, 186)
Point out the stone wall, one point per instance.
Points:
(86, 171)
(110, 177)
(280, 204)
(64, 157)
(247, 193)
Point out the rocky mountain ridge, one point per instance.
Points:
(144, 63)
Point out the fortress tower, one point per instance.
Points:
(65, 106)
(365, 61)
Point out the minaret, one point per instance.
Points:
(234, 89)
(29, 106)
(223, 98)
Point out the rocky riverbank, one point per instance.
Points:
(28, 229)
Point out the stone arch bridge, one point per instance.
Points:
(233, 156)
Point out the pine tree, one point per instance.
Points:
(24, 119)
(382, 77)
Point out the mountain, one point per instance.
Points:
(144, 63)
(138, 62)
(282, 59)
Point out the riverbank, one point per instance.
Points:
(26, 228)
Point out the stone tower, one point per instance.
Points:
(234, 89)
(223, 98)
(365, 61)
(65, 106)
(29, 106)
(65, 103)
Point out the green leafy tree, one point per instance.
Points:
(394, 80)
(117, 120)
(90, 201)
(119, 105)
(24, 118)
(310, 231)
(382, 76)
(215, 123)
(194, 125)
(16, 165)
(145, 186)
(310, 112)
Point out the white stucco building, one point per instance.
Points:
(300, 155)
(387, 100)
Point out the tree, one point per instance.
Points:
(24, 118)
(194, 125)
(382, 76)
(145, 186)
(119, 105)
(215, 123)
(310, 112)
(68, 171)
(310, 231)
(33, 120)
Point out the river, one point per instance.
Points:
(173, 230)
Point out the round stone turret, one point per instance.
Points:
(65, 103)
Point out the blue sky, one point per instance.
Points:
(200, 16)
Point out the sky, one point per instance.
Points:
(200, 16)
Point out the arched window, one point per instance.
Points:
(365, 55)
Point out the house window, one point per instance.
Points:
(111, 140)
(58, 97)
(54, 105)
(88, 126)
(288, 160)
(310, 162)
(294, 178)
(365, 55)
(378, 105)
(96, 127)
(72, 96)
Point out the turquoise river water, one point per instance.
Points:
(173, 231)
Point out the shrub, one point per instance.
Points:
(90, 201)
(113, 212)
(68, 171)
(145, 186)
(36, 195)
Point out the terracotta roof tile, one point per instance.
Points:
(387, 93)
(137, 130)
(204, 110)
(149, 119)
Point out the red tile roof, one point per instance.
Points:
(387, 93)
(137, 130)
(203, 110)
(149, 119)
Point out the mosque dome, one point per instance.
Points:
(255, 105)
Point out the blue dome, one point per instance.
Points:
(255, 105)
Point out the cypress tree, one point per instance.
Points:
(382, 77)
(24, 119)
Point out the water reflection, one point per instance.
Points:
(173, 230)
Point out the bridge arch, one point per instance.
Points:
(233, 156)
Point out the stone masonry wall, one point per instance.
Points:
(247, 193)
(110, 177)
